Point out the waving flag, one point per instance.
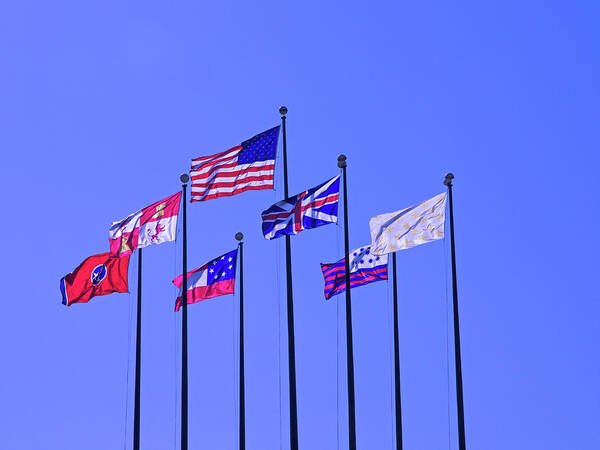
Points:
(153, 224)
(365, 268)
(310, 209)
(215, 278)
(409, 227)
(248, 166)
(97, 275)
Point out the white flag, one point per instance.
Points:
(408, 227)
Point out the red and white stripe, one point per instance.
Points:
(220, 175)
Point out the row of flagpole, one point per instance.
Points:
(397, 393)
(242, 391)
(138, 357)
(460, 410)
(349, 344)
(184, 350)
(290, 301)
(294, 443)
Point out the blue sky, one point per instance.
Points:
(105, 103)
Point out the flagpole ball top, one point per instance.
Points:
(283, 110)
(184, 178)
(342, 161)
(449, 178)
(239, 236)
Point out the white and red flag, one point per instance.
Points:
(153, 224)
(213, 279)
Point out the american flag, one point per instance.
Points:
(248, 166)
(310, 209)
(365, 268)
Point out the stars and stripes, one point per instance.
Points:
(248, 166)
(365, 268)
(310, 209)
(215, 278)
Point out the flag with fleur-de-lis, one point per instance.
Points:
(408, 227)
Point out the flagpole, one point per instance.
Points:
(349, 345)
(138, 358)
(397, 360)
(184, 351)
(290, 304)
(239, 236)
(457, 358)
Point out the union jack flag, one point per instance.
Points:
(310, 209)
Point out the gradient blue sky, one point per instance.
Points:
(102, 106)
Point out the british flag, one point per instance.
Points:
(310, 209)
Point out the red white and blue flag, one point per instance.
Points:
(97, 275)
(153, 224)
(310, 209)
(213, 279)
(365, 268)
(248, 166)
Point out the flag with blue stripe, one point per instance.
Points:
(310, 209)
(365, 268)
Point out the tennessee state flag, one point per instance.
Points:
(97, 275)
(153, 224)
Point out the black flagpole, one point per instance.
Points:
(457, 358)
(184, 353)
(397, 360)
(239, 236)
(138, 358)
(290, 304)
(349, 346)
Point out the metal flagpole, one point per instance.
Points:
(138, 358)
(184, 352)
(457, 358)
(397, 360)
(290, 305)
(349, 346)
(239, 236)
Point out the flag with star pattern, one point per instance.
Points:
(213, 279)
(365, 268)
(248, 166)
